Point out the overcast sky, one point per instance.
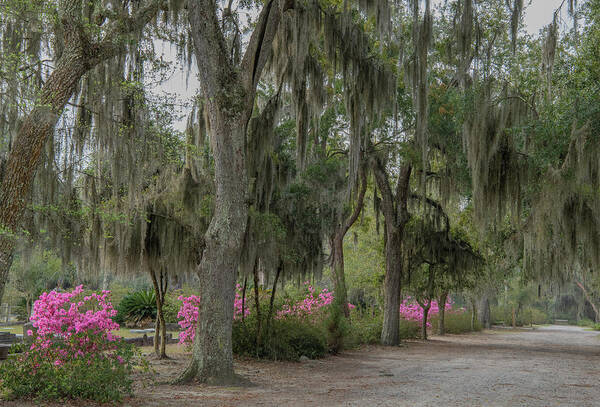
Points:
(538, 13)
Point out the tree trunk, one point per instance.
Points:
(473, 314)
(390, 333)
(212, 359)
(257, 305)
(337, 270)
(484, 313)
(442, 314)
(514, 317)
(395, 212)
(337, 248)
(244, 298)
(272, 301)
(589, 299)
(28, 309)
(424, 324)
(229, 92)
(160, 288)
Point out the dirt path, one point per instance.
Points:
(550, 366)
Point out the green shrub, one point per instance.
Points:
(409, 329)
(365, 328)
(288, 339)
(456, 323)
(596, 327)
(136, 307)
(89, 377)
(337, 327)
(525, 316)
(171, 306)
(585, 322)
(366, 325)
(18, 347)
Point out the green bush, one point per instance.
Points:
(456, 323)
(585, 322)
(288, 339)
(365, 328)
(525, 316)
(136, 307)
(89, 378)
(337, 327)
(409, 329)
(171, 306)
(18, 347)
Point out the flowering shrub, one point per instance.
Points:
(188, 314)
(310, 304)
(74, 354)
(412, 311)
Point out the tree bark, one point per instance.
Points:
(272, 301)
(390, 334)
(589, 299)
(244, 298)
(473, 313)
(424, 322)
(483, 313)
(337, 248)
(229, 92)
(257, 306)
(514, 317)
(160, 289)
(442, 314)
(395, 212)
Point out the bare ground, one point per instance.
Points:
(548, 366)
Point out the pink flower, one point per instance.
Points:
(29, 332)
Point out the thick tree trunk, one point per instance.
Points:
(442, 314)
(212, 359)
(229, 92)
(390, 333)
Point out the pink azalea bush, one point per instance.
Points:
(188, 314)
(311, 304)
(411, 310)
(73, 354)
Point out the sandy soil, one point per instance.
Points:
(549, 366)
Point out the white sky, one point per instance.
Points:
(537, 14)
